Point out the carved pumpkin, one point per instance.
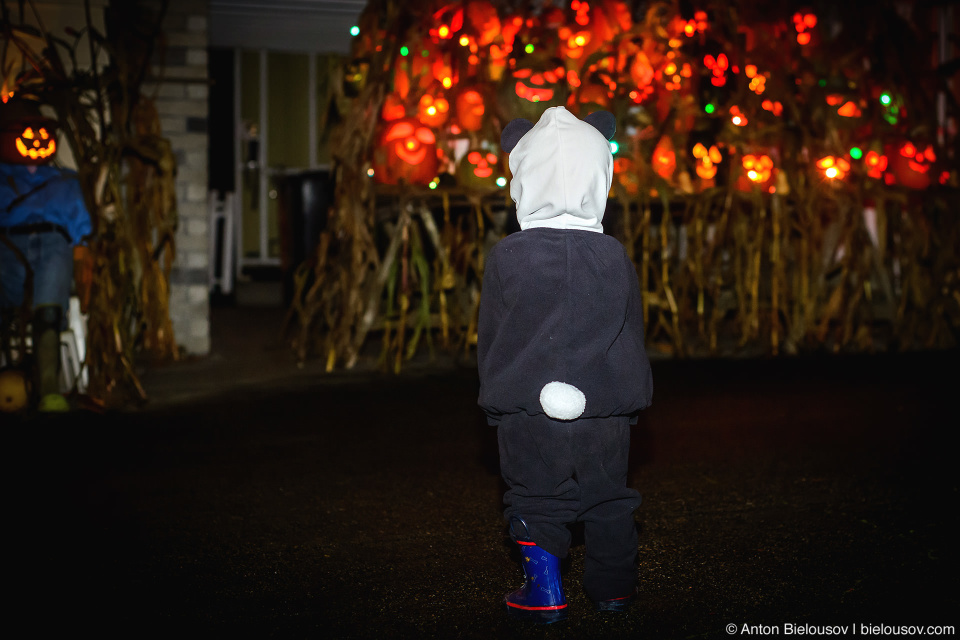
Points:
(448, 21)
(433, 111)
(407, 153)
(36, 143)
(910, 164)
(482, 16)
(26, 136)
(875, 163)
(833, 168)
(393, 107)
(758, 172)
(470, 109)
(479, 169)
(664, 158)
(499, 52)
(707, 161)
(533, 86)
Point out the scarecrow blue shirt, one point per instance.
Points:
(53, 195)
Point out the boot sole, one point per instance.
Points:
(548, 616)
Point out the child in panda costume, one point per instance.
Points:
(563, 369)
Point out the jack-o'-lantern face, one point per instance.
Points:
(707, 160)
(482, 163)
(875, 163)
(758, 172)
(479, 169)
(910, 164)
(26, 135)
(918, 160)
(407, 153)
(36, 143)
(536, 86)
(409, 142)
(433, 111)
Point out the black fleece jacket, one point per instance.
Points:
(564, 305)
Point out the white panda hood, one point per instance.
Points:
(562, 170)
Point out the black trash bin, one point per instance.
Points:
(304, 201)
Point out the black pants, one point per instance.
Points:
(558, 473)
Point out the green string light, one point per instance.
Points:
(856, 153)
(354, 30)
(404, 51)
(709, 108)
(885, 99)
(528, 48)
(614, 147)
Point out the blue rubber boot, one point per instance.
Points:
(541, 597)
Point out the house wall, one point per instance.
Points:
(180, 83)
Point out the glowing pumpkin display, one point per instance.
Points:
(479, 169)
(407, 153)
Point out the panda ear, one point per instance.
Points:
(604, 122)
(512, 133)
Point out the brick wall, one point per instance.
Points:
(182, 93)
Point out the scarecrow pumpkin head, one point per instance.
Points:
(407, 153)
(479, 169)
(26, 136)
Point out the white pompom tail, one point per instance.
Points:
(562, 401)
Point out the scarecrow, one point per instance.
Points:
(42, 217)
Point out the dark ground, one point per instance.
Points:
(252, 500)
